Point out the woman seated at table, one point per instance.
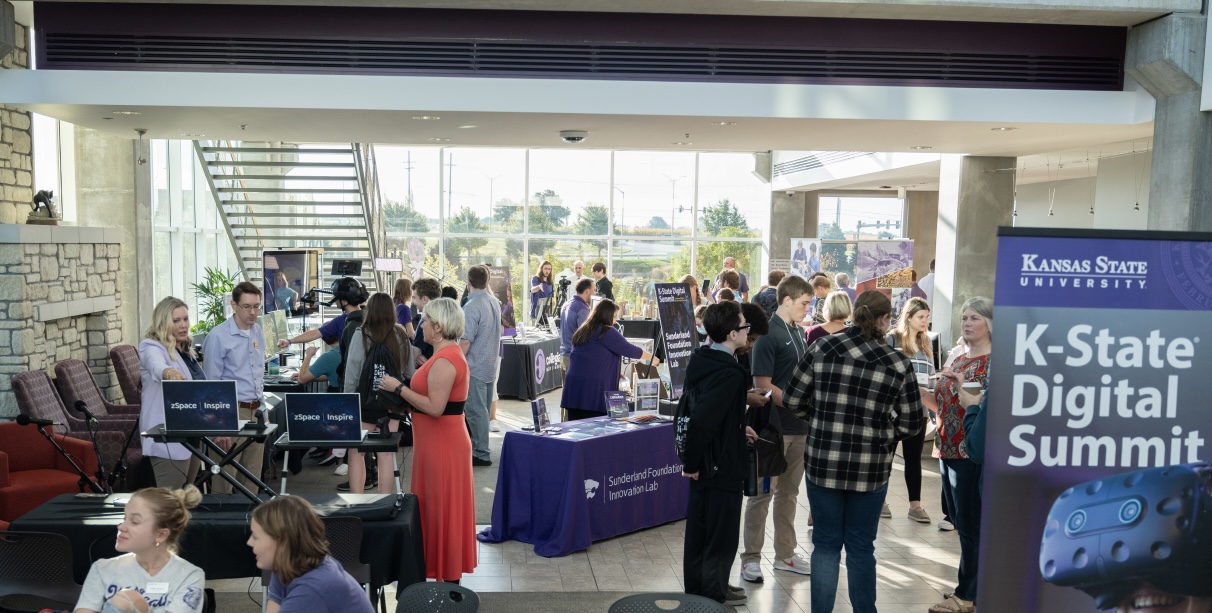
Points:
(593, 367)
(148, 577)
(441, 466)
(287, 538)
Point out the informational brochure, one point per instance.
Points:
(647, 395)
(538, 410)
(616, 405)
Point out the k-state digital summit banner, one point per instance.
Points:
(1097, 495)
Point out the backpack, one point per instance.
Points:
(681, 428)
(771, 459)
(353, 321)
(379, 362)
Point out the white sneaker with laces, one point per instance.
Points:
(795, 564)
(946, 526)
(752, 572)
(342, 470)
(493, 426)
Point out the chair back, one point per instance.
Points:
(36, 565)
(75, 382)
(26, 449)
(681, 603)
(344, 536)
(126, 366)
(437, 597)
(36, 397)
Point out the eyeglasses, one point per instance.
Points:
(744, 327)
(250, 307)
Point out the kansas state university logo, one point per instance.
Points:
(540, 367)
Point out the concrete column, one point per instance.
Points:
(1166, 57)
(975, 197)
(792, 215)
(921, 225)
(145, 278)
(105, 196)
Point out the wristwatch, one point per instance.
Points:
(398, 388)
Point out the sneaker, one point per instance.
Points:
(795, 564)
(919, 514)
(493, 426)
(733, 599)
(371, 483)
(886, 511)
(479, 462)
(735, 589)
(946, 526)
(341, 470)
(329, 459)
(318, 452)
(752, 572)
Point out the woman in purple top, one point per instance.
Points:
(837, 310)
(593, 367)
(287, 538)
(402, 296)
(540, 288)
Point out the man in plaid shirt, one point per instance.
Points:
(860, 398)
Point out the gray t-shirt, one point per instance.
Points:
(177, 588)
(482, 329)
(775, 355)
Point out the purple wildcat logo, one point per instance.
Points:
(540, 367)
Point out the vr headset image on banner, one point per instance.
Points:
(1108, 536)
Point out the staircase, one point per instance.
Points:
(286, 196)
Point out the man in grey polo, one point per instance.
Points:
(481, 342)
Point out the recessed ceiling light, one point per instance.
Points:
(1004, 129)
(682, 144)
(438, 140)
(127, 113)
(723, 123)
(468, 126)
(426, 117)
(192, 135)
(921, 147)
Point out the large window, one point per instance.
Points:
(188, 232)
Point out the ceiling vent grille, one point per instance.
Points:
(592, 60)
(816, 160)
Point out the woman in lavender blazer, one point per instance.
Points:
(161, 359)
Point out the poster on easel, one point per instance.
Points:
(499, 285)
(805, 257)
(1097, 474)
(676, 314)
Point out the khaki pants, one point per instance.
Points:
(175, 474)
(783, 489)
(251, 458)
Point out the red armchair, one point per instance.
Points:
(36, 397)
(75, 382)
(32, 472)
(126, 367)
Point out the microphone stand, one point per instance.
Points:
(120, 467)
(92, 434)
(85, 480)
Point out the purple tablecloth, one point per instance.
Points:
(561, 494)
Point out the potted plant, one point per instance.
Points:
(212, 292)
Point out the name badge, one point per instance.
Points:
(156, 587)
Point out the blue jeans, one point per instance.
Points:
(479, 399)
(842, 517)
(962, 497)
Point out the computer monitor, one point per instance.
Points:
(273, 326)
(289, 276)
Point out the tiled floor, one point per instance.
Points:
(916, 563)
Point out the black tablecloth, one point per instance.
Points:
(216, 535)
(521, 373)
(645, 328)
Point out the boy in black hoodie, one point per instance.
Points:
(715, 455)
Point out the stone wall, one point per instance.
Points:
(16, 159)
(59, 299)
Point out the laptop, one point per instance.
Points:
(324, 419)
(201, 406)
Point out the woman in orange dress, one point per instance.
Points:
(441, 467)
